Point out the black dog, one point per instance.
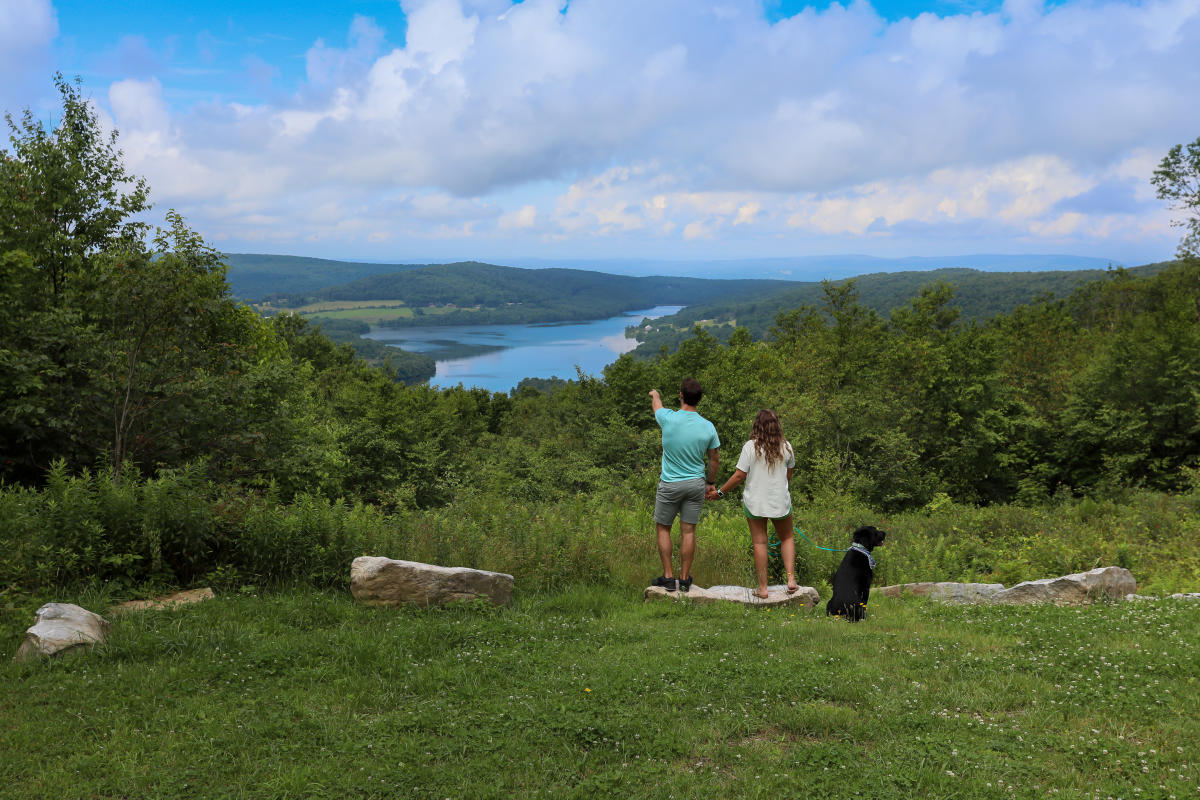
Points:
(852, 581)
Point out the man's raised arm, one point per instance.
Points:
(655, 401)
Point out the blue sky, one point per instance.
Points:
(442, 129)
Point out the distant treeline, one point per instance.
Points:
(979, 296)
(253, 276)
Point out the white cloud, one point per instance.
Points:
(525, 217)
(682, 120)
(746, 213)
(1018, 193)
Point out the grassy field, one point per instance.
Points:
(370, 311)
(609, 540)
(371, 316)
(591, 693)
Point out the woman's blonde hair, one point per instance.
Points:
(767, 435)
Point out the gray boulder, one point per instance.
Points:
(379, 581)
(777, 596)
(1079, 588)
(58, 627)
(945, 592)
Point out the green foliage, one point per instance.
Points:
(485, 293)
(979, 295)
(64, 194)
(408, 368)
(127, 353)
(1177, 180)
(163, 351)
(43, 353)
(253, 276)
(175, 529)
(181, 529)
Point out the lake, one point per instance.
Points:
(497, 357)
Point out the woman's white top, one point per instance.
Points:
(766, 491)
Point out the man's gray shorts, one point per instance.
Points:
(679, 497)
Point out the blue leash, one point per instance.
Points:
(814, 544)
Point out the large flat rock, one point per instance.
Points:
(58, 627)
(777, 596)
(945, 591)
(1079, 588)
(166, 601)
(379, 581)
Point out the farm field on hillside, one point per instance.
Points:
(590, 693)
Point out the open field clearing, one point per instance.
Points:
(376, 314)
(370, 311)
(591, 693)
(368, 315)
(348, 305)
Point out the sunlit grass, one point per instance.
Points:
(348, 305)
(369, 311)
(590, 692)
(368, 315)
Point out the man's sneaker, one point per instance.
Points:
(685, 584)
(670, 584)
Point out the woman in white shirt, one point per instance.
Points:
(766, 465)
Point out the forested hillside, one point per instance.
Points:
(488, 293)
(471, 292)
(978, 295)
(253, 276)
(155, 430)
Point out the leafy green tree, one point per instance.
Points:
(44, 351)
(152, 314)
(65, 195)
(947, 395)
(116, 350)
(1177, 181)
(1131, 415)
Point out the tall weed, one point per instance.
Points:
(177, 529)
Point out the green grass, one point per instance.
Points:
(591, 693)
(375, 315)
(610, 539)
(369, 315)
(372, 312)
(345, 305)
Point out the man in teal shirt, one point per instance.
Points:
(688, 442)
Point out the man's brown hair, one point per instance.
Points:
(691, 391)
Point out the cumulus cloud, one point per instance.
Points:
(689, 120)
(523, 218)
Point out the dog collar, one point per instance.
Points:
(865, 552)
